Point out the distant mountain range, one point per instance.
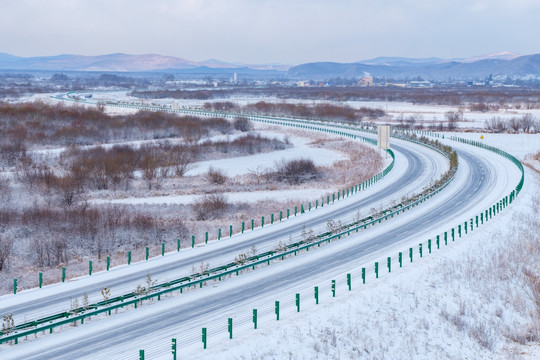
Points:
(500, 65)
(119, 63)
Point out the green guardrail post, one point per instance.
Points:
(349, 282)
(476, 221)
(162, 249)
(141, 354)
(389, 264)
(262, 221)
(40, 280)
(316, 204)
(108, 263)
(178, 244)
(297, 302)
(129, 257)
(252, 224)
(288, 213)
(459, 230)
(63, 274)
(230, 327)
(192, 240)
(429, 245)
(243, 226)
(400, 259)
(410, 254)
(363, 275)
(333, 288)
(276, 310)
(453, 234)
(280, 215)
(173, 348)
(147, 253)
(271, 218)
(376, 270)
(204, 337)
(295, 210)
(230, 230)
(420, 249)
(465, 227)
(219, 234)
(255, 318)
(90, 267)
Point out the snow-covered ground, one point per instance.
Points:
(469, 300)
(458, 303)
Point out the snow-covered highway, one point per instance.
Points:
(482, 179)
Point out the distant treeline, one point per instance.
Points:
(461, 95)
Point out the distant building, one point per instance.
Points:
(366, 81)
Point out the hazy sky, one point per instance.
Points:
(270, 31)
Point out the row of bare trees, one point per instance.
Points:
(527, 124)
(524, 97)
(319, 111)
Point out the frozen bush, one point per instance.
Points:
(242, 123)
(210, 207)
(216, 176)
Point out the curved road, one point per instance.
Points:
(183, 316)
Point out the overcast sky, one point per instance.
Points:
(270, 31)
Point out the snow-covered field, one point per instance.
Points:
(470, 300)
(426, 113)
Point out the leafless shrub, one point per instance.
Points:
(295, 171)
(6, 244)
(210, 207)
(495, 124)
(242, 123)
(452, 118)
(480, 106)
(216, 176)
(527, 122)
(182, 159)
(514, 124)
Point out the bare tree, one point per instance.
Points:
(495, 124)
(452, 118)
(6, 244)
(514, 124)
(182, 159)
(527, 121)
